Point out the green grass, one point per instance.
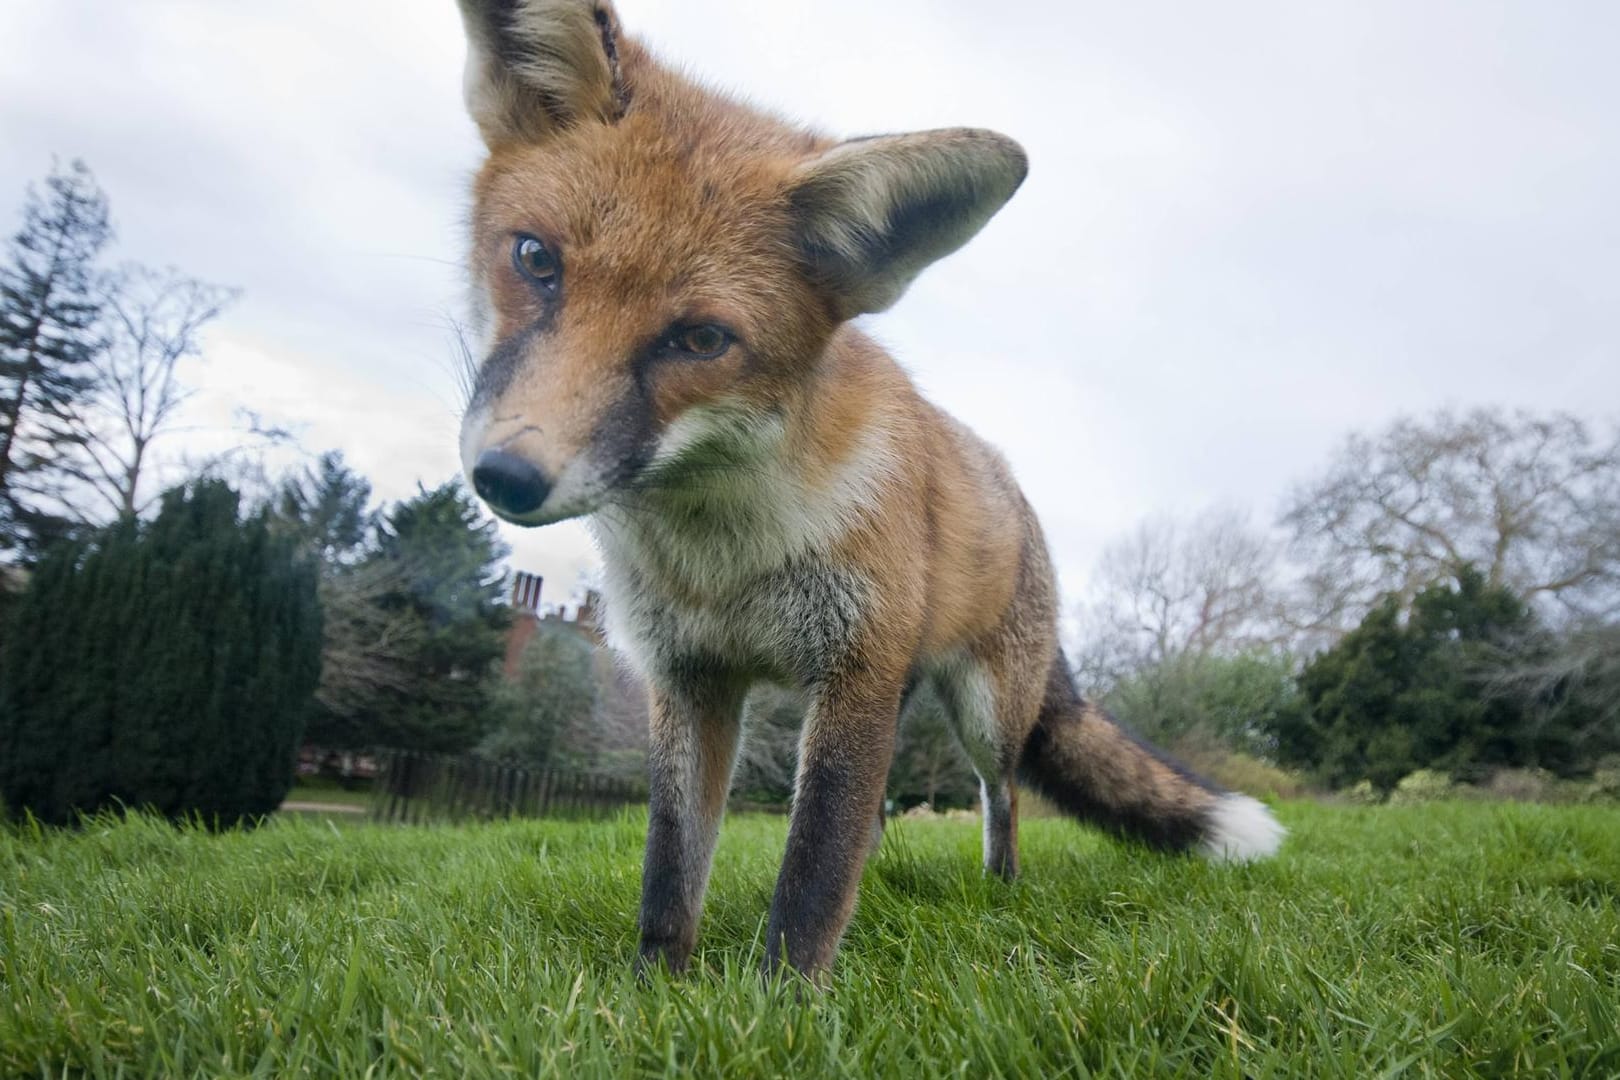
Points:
(1433, 940)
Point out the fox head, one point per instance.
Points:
(646, 252)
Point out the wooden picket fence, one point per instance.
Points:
(414, 788)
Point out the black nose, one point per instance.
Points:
(508, 483)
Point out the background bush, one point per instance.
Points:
(1411, 690)
(168, 664)
(1193, 701)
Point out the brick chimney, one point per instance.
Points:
(525, 619)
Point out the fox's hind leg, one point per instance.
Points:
(1000, 799)
(983, 705)
(877, 831)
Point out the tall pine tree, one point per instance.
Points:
(48, 314)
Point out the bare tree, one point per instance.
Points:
(152, 320)
(1533, 502)
(245, 464)
(1171, 589)
(1575, 673)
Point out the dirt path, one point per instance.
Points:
(322, 807)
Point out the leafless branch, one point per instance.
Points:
(1532, 502)
(151, 321)
(1171, 589)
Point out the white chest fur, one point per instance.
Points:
(730, 564)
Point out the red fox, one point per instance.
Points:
(663, 280)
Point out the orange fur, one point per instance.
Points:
(788, 508)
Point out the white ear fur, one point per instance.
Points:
(534, 66)
(871, 214)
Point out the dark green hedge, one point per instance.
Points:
(168, 665)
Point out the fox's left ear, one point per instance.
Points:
(537, 66)
(870, 214)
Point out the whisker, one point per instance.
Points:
(464, 366)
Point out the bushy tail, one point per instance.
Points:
(1084, 761)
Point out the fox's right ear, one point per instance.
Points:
(537, 66)
(871, 214)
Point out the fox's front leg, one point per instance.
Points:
(692, 747)
(843, 769)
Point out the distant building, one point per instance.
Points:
(527, 616)
(586, 621)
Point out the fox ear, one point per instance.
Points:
(536, 66)
(870, 214)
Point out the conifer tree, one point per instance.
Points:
(168, 665)
(410, 599)
(441, 557)
(328, 506)
(48, 314)
(366, 649)
(1409, 689)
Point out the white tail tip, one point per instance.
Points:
(1241, 829)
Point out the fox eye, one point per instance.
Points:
(535, 261)
(702, 342)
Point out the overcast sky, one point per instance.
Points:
(1249, 228)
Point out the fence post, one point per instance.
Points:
(380, 786)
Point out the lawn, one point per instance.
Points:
(1442, 939)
